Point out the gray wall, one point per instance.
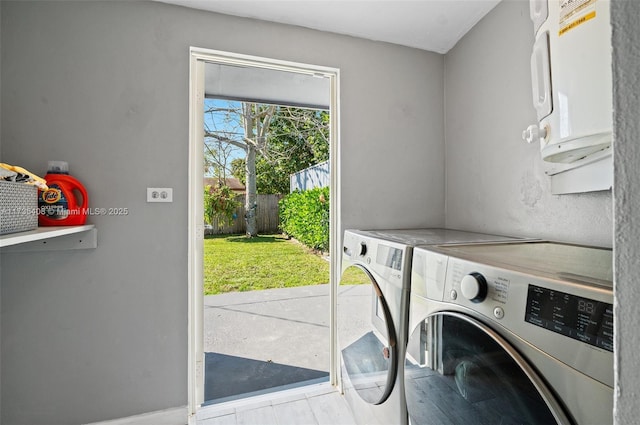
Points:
(494, 180)
(626, 90)
(519, 202)
(0, 261)
(102, 334)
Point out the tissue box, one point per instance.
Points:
(18, 207)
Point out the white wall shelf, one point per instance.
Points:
(51, 239)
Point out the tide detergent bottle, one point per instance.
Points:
(65, 202)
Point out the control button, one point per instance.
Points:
(474, 287)
(368, 260)
(498, 312)
(453, 294)
(363, 249)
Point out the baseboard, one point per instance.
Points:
(174, 416)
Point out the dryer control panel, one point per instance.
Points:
(384, 259)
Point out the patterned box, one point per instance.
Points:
(18, 207)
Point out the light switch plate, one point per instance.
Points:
(159, 194)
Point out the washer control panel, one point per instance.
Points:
(569, 319)
(484, 289)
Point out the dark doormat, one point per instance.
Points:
(229, 377)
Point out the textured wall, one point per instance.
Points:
(626, 90)
(494, 180)
(102, 334)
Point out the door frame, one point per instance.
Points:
(198, 58)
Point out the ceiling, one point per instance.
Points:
(433, 25)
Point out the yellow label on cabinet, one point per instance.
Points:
(579, 21)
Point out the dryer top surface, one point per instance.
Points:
(431, 236)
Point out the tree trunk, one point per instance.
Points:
(250, 203)
(256, 120)
(251, 199)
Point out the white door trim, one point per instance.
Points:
(195, 351)
(198, 57)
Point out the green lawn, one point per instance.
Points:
(236, 263)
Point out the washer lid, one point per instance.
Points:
(558, 260)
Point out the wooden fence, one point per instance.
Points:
(267, 217)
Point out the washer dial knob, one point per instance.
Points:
(474, 287)
(362, 250)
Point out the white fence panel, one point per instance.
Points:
(309, 178)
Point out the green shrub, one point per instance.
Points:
(304, 215)
(220, 204)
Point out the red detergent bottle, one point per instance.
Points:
(65, 202)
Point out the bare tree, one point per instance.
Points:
(256, 124)
(224, 125)
(255, 119)
(276, 141)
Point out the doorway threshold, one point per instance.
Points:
(312, 402)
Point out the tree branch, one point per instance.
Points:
(225, 139)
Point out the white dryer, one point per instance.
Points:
(511, 333)
(373, 305)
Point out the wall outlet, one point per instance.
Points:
(159, 194)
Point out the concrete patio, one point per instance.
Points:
(259, 341)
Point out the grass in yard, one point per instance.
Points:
(237, 263)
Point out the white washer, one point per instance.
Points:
(510, 333)
(373, 304)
